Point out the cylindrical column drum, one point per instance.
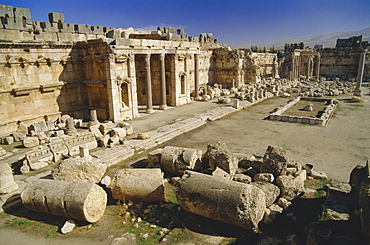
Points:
(178, 159)
(232, 202)
(142, 185)
(82, 201)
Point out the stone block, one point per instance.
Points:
(154, 157)
(290, 187)
(58, 149)
(8, 140)
(40, 154)
(2, 152)
(73, 142)
(29, 142)
(80, 169)
(6, 11)
(177, 159)
(264, 177)
(217, 155)
(22, 13)
(143, 185)
(271, 191)
(68, 227)
(7, 183)
(55, 17)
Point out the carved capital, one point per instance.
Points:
(162, 56)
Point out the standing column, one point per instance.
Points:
(318, 67)
(163, 105)
(149, 96)
(196, 72)
(132, 76)
(360, 73)
(308, 67)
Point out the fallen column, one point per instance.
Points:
(232, 202)
(82, 201)
(142, 185)
(178, 159)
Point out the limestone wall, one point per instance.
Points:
(343, 63)
(233, 67)
(33, 82)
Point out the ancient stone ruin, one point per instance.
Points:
(68, 92)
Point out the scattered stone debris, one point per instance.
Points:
(68, 227)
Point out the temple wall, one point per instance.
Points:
(342, 63)
(233, 67)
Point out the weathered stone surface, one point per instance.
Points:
(106, 127)
(154, 157)
(39, 157)
(127, 126)
(8, 140)
(30, 142)
(74, 142)
(81, 201)
(271, 191)
(58, 148)
(68, 227)
(22, 128)
(264, 177)
(220, 173)
(318, 174)
(217, 155)
(271, 213)
(2, 152)
(143, 136)
(275, 161)
(142, 185)
(80, 169)
(242, 178)
(177, 159)
(227, 201)
(18, 137)
(290, 187)
(106, 181)
(7, 183)
(284, 203)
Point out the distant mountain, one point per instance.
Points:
(329, 40)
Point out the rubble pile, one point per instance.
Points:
(52, 141)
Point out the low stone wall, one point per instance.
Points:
(322, 121)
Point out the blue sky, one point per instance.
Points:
(234, 22)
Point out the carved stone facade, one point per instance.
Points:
(341, 62)
(52, 68)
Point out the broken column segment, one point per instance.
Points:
(7, 183)
(81, 201)
(80, 169)
(142, 185)
(217, 155)
(70, 130)
(178, 159)
(232, 202)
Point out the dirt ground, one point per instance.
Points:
(335, 149)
